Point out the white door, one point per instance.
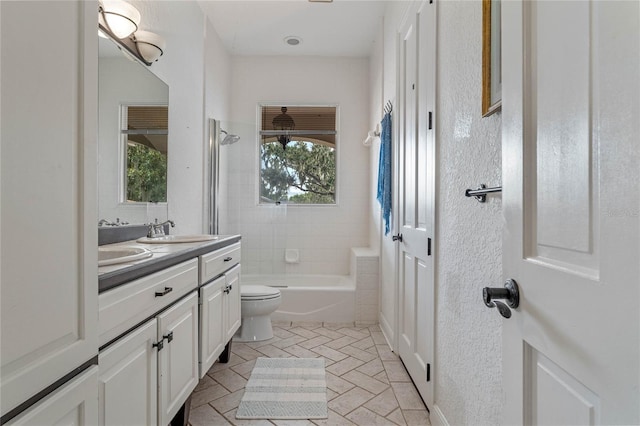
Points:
(178, 359)
(130, 363)
(571, 150)
(232, 302)
(415, 213)
(212, 328)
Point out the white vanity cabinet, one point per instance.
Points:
(178, 358)
(128, 379)
(219, 302)
(147, 374)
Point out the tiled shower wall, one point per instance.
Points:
(323, 235)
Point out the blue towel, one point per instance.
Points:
(384, 172)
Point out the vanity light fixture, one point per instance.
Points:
(119, 21)
(150, 45)
(120, 18)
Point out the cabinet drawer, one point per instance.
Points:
(215, 263)
(127, 305)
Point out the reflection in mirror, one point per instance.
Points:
(144, 133)
(132, 138)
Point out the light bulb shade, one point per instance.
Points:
(121, 17)
(150, 45)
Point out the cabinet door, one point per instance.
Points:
(48, 172)
(178, 359)
(130, 364)
(232, 302)
(75, 403)
(212, 328)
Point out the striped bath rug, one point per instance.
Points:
(285, 388)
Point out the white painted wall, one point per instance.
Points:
(467, 365)
(323, 234)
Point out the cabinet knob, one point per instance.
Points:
(169, 337)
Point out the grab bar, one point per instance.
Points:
(481, 193)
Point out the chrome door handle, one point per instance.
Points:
(510, 293)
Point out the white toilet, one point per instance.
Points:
(257, 303)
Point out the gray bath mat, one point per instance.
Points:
(285, 388)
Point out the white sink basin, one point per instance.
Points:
(174, 239)
(115, 255)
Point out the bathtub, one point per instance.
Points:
(329, 298)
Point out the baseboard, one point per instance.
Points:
(436, 417)
(387, 332)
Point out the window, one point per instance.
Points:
(144, 134)
(298, 154)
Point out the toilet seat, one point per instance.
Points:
(258, 292)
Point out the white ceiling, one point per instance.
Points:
(259, 27)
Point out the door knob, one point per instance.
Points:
(510, 293)
(397, 237)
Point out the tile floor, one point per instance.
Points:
(366, 382)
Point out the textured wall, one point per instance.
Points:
(322, 234)
(468, 338)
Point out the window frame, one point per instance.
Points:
(338, 147)
(122, 154)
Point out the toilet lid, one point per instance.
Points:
(258, 291)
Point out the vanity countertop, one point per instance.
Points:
(164, 255)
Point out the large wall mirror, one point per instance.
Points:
(132, 139)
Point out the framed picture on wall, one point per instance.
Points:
(491, 72)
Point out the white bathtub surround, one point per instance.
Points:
(291, 256)
(365, 275)
(326, 298)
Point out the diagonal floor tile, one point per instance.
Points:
(227, 402)
(365, 382)
(334, 419)
(350, 400)
(362, 416)
(303, 332)
(273, 352)
(341, 342)
(364, 344)
(372, 368)
(383, 404)
(337, 384)
(341, 367)
(316, 341)
(210, 394)
(229, 379)
(289, 341)
(301, 352)
(396, 371)
(358, 353)
(332, 354)
(205, 415)
(416, 417)
(407, 396)
(359, 335)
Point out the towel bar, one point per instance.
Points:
(481, 192)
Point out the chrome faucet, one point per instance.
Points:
(105, 222)
(156, 229)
